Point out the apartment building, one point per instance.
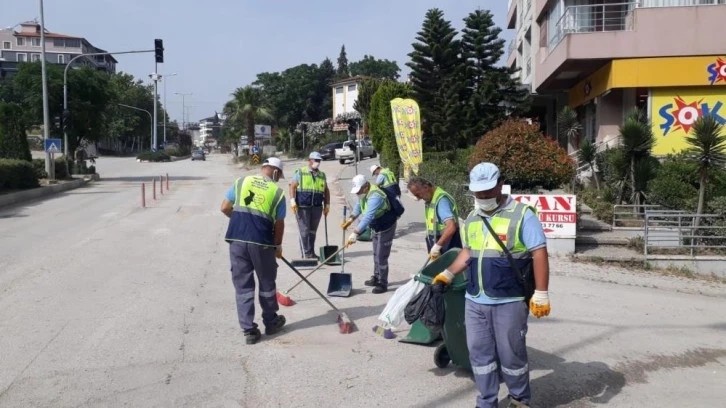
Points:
(23, 45)
(210, 128)
(604, 58)
(345, 93)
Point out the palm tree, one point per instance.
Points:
(708, 150)
(247, 106)
(586, 155)
(637, 139)
(569, 127)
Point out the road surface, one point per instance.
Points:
(106, 304)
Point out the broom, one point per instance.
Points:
(345, 324)
(284, 298)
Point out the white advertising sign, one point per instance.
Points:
(557, 213)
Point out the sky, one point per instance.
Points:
(215, 46)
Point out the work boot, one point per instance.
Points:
(313, 256)
(513, 403)
(380, 289)
(252, 336)
(275, 326)
(373, 281)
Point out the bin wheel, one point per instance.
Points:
(441, 356)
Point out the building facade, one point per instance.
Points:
(345, 93)
(604, 58)
(210, 128)
(23, 45)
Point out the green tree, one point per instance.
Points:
(708, 151)
(323, 95)
(435, 62)
(128, 129)
(381, 122)
(247, 105)
(343, 70)
(13, 140)
(490, 92)
(586, 155)
(569, 127)
(366, 90)
(637, 140)
(375, 68)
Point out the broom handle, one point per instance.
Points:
(342, 261)
(316, 268)
(326, 230)
(303, 279)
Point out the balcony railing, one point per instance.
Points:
(512, 45)
(593, 18)
(528, 67)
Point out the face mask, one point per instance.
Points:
(276, 176)
(315, 165)
(486, 204)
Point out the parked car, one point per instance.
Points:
(198, 154)
(347, 152)
(328, 151)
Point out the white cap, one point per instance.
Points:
(315, 156)
(274, 162)
(374, 168)
(358, 182)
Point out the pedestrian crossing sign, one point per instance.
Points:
(53, 145)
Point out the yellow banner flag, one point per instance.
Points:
(407, 127)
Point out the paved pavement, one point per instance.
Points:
(103, 303)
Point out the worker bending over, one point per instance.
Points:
(386, 179)
(442, 216)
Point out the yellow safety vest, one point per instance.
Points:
(311, 190)
(384, 217)
(255, 210)
(434, 227)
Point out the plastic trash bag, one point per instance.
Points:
(428, 307)
(393, 312)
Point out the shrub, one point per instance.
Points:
(61, 169)
(39, 167)
(448, 170)
(675, 184)
(525, 157)
(380, 122)
(91, 169)
(13, 139)
(178, 151)
(17, 174)
(153, 156)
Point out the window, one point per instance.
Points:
(20, 41)
(22, 57)
(7, 45)
(35, 57)
(339, 90)
(35, 42)
(59, 42)
(61, 59)
(73, 43)
(351, 88)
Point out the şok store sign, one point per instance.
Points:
(675, 110)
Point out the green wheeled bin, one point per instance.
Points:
(454, 348)
(366, 235)
(420, 334)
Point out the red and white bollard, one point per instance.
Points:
(153, 189)
(143, 195)
(167, 181)
(161, 185)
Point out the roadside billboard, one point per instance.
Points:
(675, 110)
(558, 213)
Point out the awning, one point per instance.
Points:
(650, 73)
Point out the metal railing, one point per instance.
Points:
(593, 18)
(684, 233)
(632, 217)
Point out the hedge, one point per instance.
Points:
(153, 156)
(17, 175)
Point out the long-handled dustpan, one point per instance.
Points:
(345, 324)
(327, 250)
(341, 283)
(303, 262)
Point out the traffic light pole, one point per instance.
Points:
(156, 93)
(66, 114)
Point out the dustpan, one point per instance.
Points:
(340, 283)
(328, 250)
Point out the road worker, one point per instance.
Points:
(386, 179)
(378, 213)
(256, 209)
(442, 216)
(508, 276)
(309, 200)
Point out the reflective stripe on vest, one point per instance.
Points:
(311, 190)
(384, 217)
(434, 228)
(489, 269)
(255, 210)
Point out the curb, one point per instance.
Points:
(40, 192)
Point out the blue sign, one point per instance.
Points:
(53, 145)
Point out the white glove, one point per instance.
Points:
(435, 251)
(539, 305)
(292, 202)
(352, 238)
(541, 297)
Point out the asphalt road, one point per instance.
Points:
(106, 304)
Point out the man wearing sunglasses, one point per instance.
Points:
(309, 200)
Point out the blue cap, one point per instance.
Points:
(315, 156)
(483, 177)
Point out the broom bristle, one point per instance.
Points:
(384, 332)
(345, 324)
(284, 300)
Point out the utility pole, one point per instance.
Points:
(46, 114)
(183, 107)
(166, 109)
(159, 58)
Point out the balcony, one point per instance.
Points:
(587, 37)
(512, 14)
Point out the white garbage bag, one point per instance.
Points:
(392, 314)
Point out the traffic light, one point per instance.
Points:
(159, 50)
(58, 122)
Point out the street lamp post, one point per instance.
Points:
(183, 106)
(151, 119)
(166, 109)
(46, 115)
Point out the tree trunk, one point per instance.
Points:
(250, 129)
(636, 196)
(594, 177)
(701, 197)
